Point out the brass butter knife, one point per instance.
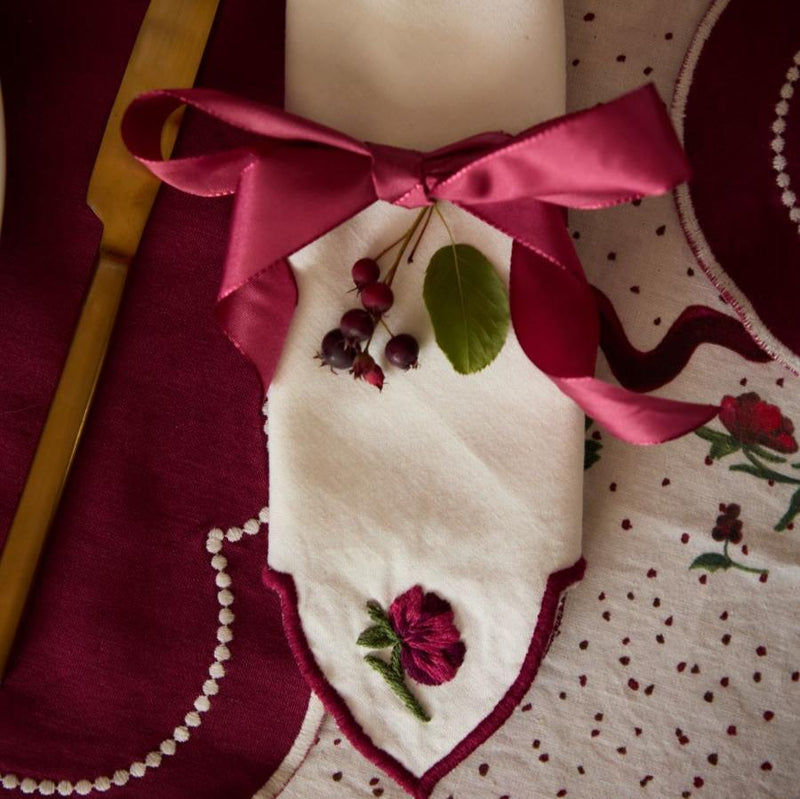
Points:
(166, 53)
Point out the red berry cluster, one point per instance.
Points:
(347, 346)
(729, 525)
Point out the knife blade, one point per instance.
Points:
(166, 53)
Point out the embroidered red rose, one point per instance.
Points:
(432, 650)
(754, 422)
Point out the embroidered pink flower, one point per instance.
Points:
(754, 422)
(432, 650)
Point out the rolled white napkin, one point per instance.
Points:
(468, 486)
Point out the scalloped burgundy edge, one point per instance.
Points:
(420, 787)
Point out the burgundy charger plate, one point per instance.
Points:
(735, 110)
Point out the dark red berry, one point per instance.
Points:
(735, 531)
(377, 298)
(365, 368)
(402, 351)
(733, 510)
(335, 351)
(356, 325)
(365, 271)
(728, 527)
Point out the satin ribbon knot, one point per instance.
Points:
(299, 179)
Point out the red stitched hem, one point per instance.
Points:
(421, 787)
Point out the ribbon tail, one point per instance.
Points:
(256, 317)
(697, 324)
(556, 319)
(635, 418)
(258, 293)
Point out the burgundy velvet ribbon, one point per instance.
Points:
(301, 179)
(696, 325)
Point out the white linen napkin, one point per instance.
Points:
(469, 486)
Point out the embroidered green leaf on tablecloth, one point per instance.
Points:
(377, 637)
(721, 443)
(711, 561)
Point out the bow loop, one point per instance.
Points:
(299, 179)
(606, 155)
(397, 175)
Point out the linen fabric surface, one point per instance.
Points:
(119, 675)
(373, 493)
(663, 680)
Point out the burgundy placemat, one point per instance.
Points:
(734, 105)
(122, 626)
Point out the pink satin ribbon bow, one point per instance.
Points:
(301, 179)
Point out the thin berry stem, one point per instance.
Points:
(444, 222)
(390, 247)
(410, 258)
(388, 329)
(404, 243)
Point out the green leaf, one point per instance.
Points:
(587, 423)
(397, 684)
(747, 469)
(591, 448)
(468, 306)
(721, 443)
(377, 637)
(788, 517)
(711, 561)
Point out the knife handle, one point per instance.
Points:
(57, 445)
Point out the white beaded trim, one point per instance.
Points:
(202, 704)
(788, 196)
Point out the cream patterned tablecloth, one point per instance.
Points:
(664, 680)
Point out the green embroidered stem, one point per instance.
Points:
(393, 675)
(765, 454)
(788, 517)
(741, 566)
(721, 443)
(763, 470)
